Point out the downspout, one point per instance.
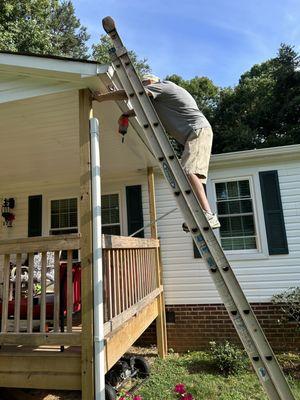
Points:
(97, 263)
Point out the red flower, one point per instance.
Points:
(137, 398)
(180, 388)
(188, 396)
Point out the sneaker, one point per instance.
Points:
(212, 220)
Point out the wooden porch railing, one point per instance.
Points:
(130, 268)
(130, 280)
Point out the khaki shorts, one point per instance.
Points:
(196, 154)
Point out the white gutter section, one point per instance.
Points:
(97, 263)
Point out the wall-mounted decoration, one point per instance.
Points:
(6, 211)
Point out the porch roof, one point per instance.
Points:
(39, 114)
(28, 75)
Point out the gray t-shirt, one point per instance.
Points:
(177, 110)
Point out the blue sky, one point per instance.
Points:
(219, 39)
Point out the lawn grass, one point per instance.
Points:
(197, 371)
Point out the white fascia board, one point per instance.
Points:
(27, 63)
(280, 153)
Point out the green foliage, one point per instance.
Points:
(289, 302)
(42, 27)
(197, 371)
(228, 358)
(100, 52)
(263, 110)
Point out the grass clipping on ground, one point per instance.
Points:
(197, 371)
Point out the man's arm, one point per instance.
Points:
(115, 96)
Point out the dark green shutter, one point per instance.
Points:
(35, 215)
(135, 218)
(274, 220)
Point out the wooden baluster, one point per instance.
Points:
(118, 281)
(115, 283)
(43, 293)
(132, 275)
(146, 257)
(153, 269)
(135, 276)
(148, 270)
(104, 283)
(30, 293)
(69, 291)
(18, 293)
(56, 291)
(144, 280)
(121, 277)
(140, 277)
(6, 274)
(142, 274)
(127, 281)
(110, 293)
(125, 289)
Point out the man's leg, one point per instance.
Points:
(199, 191)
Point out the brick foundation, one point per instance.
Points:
(196, 325)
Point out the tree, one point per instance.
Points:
(101, 50)
(42, 27)
(204, 91)
(263, 110)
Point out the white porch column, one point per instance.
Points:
(97, 263)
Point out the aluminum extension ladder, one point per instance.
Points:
(252, 336)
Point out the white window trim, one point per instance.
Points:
(49, 211)
(120, 209)
(262, 249)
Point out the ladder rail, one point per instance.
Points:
(240, 312)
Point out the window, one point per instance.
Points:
(235, 212)
(64, 218)
(111, 214)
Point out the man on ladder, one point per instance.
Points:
(183, 121)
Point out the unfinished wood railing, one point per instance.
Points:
(20, 323)
(130, 267)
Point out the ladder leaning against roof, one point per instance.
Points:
(259, 351)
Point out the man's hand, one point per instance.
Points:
(114, 96)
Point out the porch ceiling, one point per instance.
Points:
(40, 142)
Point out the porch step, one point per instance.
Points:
(40, 368)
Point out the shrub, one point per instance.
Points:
(228, 358)
(289, 302)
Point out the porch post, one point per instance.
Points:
(97, 264)
(86, 249)
(161, 329)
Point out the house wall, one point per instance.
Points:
(195, 312)
(186, 279)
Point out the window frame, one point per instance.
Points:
(69, 197)
(120, 210)
(261, 251)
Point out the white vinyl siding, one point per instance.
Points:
(186, 280)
